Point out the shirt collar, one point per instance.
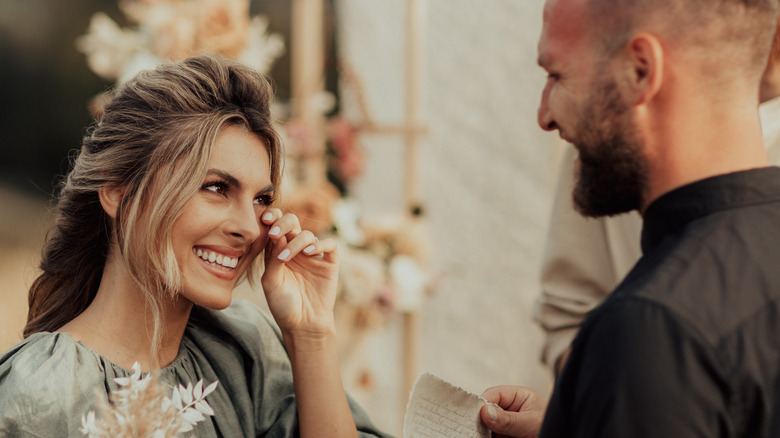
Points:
(675, 209)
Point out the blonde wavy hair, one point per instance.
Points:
(154, 141)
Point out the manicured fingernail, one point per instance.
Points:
(308, 249)
(284, 254)
(274, 231)
(492, 412)
(268, 216)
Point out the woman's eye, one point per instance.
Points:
(216, 187)
(264, 200)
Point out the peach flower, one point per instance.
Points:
(169, 23)
(222, 26)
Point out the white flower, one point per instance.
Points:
(409, 281)
(88, 423)
(141, 60)
(362, 277)
(107, 46)
(204, 408)
(168, 28)
(345, 216)
(192, 404)
(262, 48)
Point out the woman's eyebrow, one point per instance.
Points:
(233, 181)
(267, 189)
(230, 179)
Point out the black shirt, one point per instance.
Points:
(688, 345)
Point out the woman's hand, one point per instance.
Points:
(300, 278)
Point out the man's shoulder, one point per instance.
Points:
(713, 277)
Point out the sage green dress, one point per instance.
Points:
(49, 380)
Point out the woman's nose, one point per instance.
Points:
(244, 221)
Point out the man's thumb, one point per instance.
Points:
(503, 422)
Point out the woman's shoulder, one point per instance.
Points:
(41, 357)
(46, 381)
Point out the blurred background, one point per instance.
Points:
(412, 138)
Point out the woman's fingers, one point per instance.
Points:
(326, 249)
(282, 225)
(289, 240)
(308, 245)
(303, 241)
(270, 215)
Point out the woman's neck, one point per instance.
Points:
(119, 324)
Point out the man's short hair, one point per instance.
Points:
(739, 32)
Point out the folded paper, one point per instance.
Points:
(438, 409)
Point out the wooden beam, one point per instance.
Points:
(414, 29)
(308, 80)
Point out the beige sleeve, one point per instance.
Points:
(584, 260)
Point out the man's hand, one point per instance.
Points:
(513, 411)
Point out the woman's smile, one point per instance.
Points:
(225, 265)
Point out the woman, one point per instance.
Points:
(166, 209)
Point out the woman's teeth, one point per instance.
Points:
(215, 259)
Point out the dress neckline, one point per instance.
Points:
(176, 363)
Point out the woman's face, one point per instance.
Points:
(219, 232)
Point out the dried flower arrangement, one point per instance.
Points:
(140, 409)
(174, 29)
(384, 268)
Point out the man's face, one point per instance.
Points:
(612, 171)
(583, 101)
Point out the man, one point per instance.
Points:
(660, 98)
(585, 258)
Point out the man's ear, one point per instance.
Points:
(645, 67)
(110, 198)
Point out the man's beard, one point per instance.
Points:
(612, 173)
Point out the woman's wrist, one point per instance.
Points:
(309, 340)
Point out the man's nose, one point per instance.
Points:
(543, 115)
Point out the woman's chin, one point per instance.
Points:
(215, 303)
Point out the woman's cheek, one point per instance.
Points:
(260, 243)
